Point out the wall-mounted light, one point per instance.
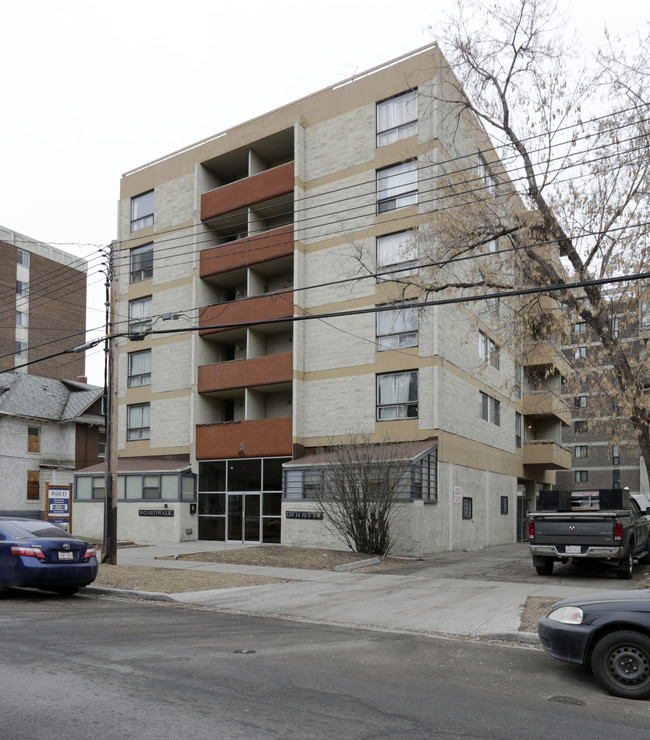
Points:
(241, 450)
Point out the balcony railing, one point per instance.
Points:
(254, 438)
(253, 250)
(248, 191)
(256, 372)
(547, 454)
(267, 307)
(546, 404)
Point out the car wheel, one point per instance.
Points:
(620, 663)
(546, 568)
(627, 566)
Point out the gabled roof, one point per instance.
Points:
(35, 397)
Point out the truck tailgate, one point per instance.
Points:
(568, 530)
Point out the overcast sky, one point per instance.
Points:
(91, 90)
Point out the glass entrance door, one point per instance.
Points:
(244, 517)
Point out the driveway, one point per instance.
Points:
(513, 564)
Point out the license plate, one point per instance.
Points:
(66, 556)
(572, 550)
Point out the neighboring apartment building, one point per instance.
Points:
(42, 307)
(48, 428)
(604, 450)
(227, 387)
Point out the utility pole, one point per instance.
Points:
(109, 554)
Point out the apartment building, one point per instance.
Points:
(42, 307)
(258, 273)
(604, 450)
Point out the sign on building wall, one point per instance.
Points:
(58, 508)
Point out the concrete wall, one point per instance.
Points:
(88, 521)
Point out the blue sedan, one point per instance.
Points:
(40, 555)
(608, 631)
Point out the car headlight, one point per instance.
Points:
(567, 615)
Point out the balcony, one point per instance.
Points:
(260, 438)
(271, 307)
(546, 404)
(247, 192)
(546, 454)
(258, 372)
(545, 354)
(253, 250)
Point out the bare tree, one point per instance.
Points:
(361, 482)
(559, 200)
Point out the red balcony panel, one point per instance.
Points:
(269, 370)
(271, 307)
(247, 192)
(261, 438)
(253, 250)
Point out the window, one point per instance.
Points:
(22, 288)
(33, 439)
(137, 423)
(141, 263)
(22, 258)
(397, 118)
(397, 328)
(397, 396)
(644, 309)
(581, 451)
(517, 429)
(580, 353)
(142, 211)
(495, 412)
(581, 426)
(580, 402)
(580, 327)
(484, 174)
(488, 350)
(504, 504)
(483, 406)
(616, 478)
(467, 508)
(581, 476)
(33, 485)
(614, 326)
(616, 455)
(22, 318)
(20, 348)
(139, 368)
(140, 315)
(101, 443)
(393, 250)
(397, 187)
(518, 381)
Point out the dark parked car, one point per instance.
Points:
(610, 632)
(40, 555)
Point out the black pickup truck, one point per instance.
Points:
(605, 526)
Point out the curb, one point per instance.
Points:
(529, 638)
(147, 595)
(357, 564)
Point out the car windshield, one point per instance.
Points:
(35, 528)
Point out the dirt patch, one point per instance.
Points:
(536, 607)
(173, 581)
(279, 556)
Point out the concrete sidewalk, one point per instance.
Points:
(419, 602)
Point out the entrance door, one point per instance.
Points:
(244, 517)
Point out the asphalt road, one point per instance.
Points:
(102, 667)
